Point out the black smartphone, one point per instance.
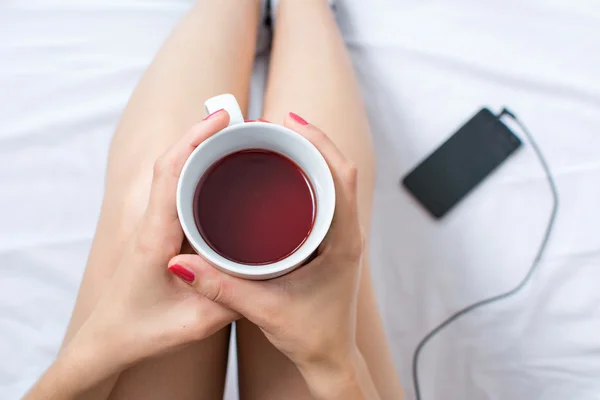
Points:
(464, 160)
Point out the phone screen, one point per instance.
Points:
(464, 160)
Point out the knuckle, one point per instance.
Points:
(222, 291)
(269, 312)
(317, 345)
(361, 245)
(153, 240)
(171, 247)
(159, 166)
(216, 290)
(350, 174)
(319, 134)
(200, 317)
(277, 324)
(163, 166)
(147, 243)
(355, 248)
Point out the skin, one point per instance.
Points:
(309, 315)
(311, 73)
(210, 52)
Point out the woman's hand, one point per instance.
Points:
(309, 314)
(146, 310)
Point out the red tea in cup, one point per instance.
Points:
(254, 207)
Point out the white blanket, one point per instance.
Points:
(67, 68)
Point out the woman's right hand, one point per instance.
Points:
(309, 314)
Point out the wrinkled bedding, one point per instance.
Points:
(67, 69)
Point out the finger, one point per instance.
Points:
(334, 157)
(345, 232)
(213, 317)
(345, 222)
(168, 167)
(252, 299)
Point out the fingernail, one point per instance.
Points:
(213, 114)
(183, 273)
(257, 120)
(298, 119)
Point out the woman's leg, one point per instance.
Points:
(210, 52)
(311, 74)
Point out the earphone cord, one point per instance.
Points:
(455, 316)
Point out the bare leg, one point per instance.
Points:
(311, 74)
(210, 52)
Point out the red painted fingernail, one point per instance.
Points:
(213, 114)
(249, 120)
(264, 120)
(185, 274)
(298, 119)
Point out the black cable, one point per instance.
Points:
(455, 316)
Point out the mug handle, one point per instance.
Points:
(228, 103)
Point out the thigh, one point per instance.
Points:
(264, 373)
(196, 372)
(209, 52)
(309, 48)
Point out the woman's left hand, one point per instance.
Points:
(145, 310)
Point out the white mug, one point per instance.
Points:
(240, 135)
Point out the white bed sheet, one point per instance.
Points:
(67, 69)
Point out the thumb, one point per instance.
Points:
(252, 299)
